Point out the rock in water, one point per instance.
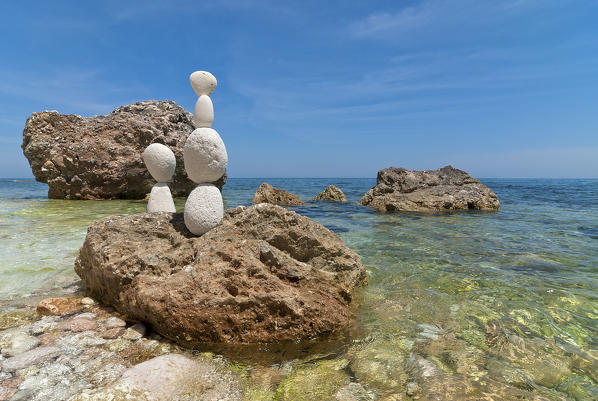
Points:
(265, 274)
(447, 188)
(100, 157)
(204, 209)
(160, 199)
(332, 193)
(266, 193)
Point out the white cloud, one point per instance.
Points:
(435, 19)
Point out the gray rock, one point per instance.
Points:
(26, 359)
(101, 157)
(445, 189)
(16, 341)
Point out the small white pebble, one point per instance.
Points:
(87, 315)
(87, 301)
(115, 322)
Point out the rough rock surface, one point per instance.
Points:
(266, 274)
(332, 193)
(101, 157)
(447, 188)
(266, 193)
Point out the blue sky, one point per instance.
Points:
(325, 89)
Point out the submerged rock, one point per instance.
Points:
(266, 193)
(447, 188)
(266, 274)
(332, 193)
(60, 306)
(101, 157)
(318, 380)
(170, 377)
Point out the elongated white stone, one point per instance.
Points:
(205, 156)
(203, 114)
(160, 199)
(160, 161)
(204, 209)
(203, 83)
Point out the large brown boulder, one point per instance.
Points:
(266, 274)
(447, 188)
(332, 193)
(266, 193)
(100, 157)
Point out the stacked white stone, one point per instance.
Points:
(205, 160)
(161, 163)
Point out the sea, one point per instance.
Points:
(530, 269)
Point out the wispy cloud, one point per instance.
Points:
(434, 18)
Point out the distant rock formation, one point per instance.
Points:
(446, 189)
(100, 157)
(266, 193)
(265, 274)
(332, 193)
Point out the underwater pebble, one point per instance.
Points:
(113, 333)
(59, 306)
(412, 389)
(115, 322)
(87, 301)
(134, 332)
(26, 359)
(86, 315)
(14, 342)
(78, 325)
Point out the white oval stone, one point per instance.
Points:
(203, 114)
(160, 161)
(205, 156)
(160, 199)
(204, 209)
(203, 83)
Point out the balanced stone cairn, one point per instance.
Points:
(161, 163)
(205, 160)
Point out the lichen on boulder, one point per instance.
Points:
(265, 275)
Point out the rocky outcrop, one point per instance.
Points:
(265, 275)
(332, 193)
(446, 189)
(266, 193)
(100, 157)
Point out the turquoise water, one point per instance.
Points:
(528, 272)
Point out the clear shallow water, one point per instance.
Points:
(458, 280)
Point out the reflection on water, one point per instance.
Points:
(510, 297)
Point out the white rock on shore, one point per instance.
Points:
(203, 114)
(160, 162)
(205, 156)
(203, 83)
(204, 209)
